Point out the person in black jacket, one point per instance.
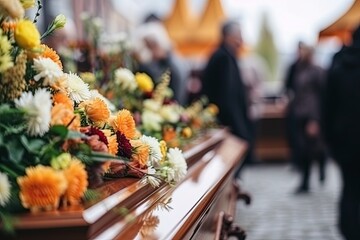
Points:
(342, 130)
(223, 85)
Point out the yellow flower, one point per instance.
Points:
(76, 177)
(97, 110)
(5, 58)
(41, 188)
(141, 152)
(112, 142)
(27, 3)
(61, 162)
(13, 8)
(144, 82)
(124, 122)
(27, 35)
(186, 132)
(213, 109)
(48, 52)
(163, 149)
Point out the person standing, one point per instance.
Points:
(342, 130)
(223, 85)
(305, 106)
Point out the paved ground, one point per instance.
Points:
(277, 213)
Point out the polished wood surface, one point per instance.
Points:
(133, 210)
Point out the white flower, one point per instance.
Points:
(155, 151)
(150, 179)
(37, 109)
(168, 173)
(47, 69)
(95, 94)
(178, 163)
(77, 88)
(4, 189)
(170, 113)
(126, 79)
(152, 105)
(151, 121)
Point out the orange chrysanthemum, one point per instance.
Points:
(141, 153)
(97, 110)
(112, 142)
(61, 97)
(170, 137)
(48, 52)
(124, 122)
(61, 115)
(8, 26)
(76, 177)
(41, 188)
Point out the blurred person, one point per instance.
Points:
(162, 59)
(223, 84)
(342, 130)
(307, 90)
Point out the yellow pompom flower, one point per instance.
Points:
(144, 82)
(27, 35)
(76, 177)
(41, 188)
(125, 123)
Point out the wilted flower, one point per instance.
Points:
(5, 192)
(41, 188)
(47, 69)
(144, 82)
(27, 35)
(37, 109)
(77, 89)
(125, 79)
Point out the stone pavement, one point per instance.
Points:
(276, 213)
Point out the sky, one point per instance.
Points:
(289, 20)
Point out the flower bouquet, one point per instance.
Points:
(58, 138)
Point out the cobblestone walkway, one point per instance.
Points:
(276, 213)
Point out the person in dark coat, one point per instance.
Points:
(223, 85)
(307, 88)
(342, 130)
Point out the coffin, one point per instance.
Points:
(199, 207)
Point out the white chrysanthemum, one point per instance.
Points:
(152, 105)
(77, 89)
(95, 94)
(4, 189)
(37, 109)
(178, 163)
(151, 179)
(47, 69)
(151, 121)
(125, 79)
(170, 113)
(155, 151)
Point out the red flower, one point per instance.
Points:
(124, 146)
(90, 131)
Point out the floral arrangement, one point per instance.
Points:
(58, 138)
(156, 112)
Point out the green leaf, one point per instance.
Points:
(15, 150)
(33, 145)
(75, 135)
(59, 130)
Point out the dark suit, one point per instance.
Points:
(224, 87)
(342, 132)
